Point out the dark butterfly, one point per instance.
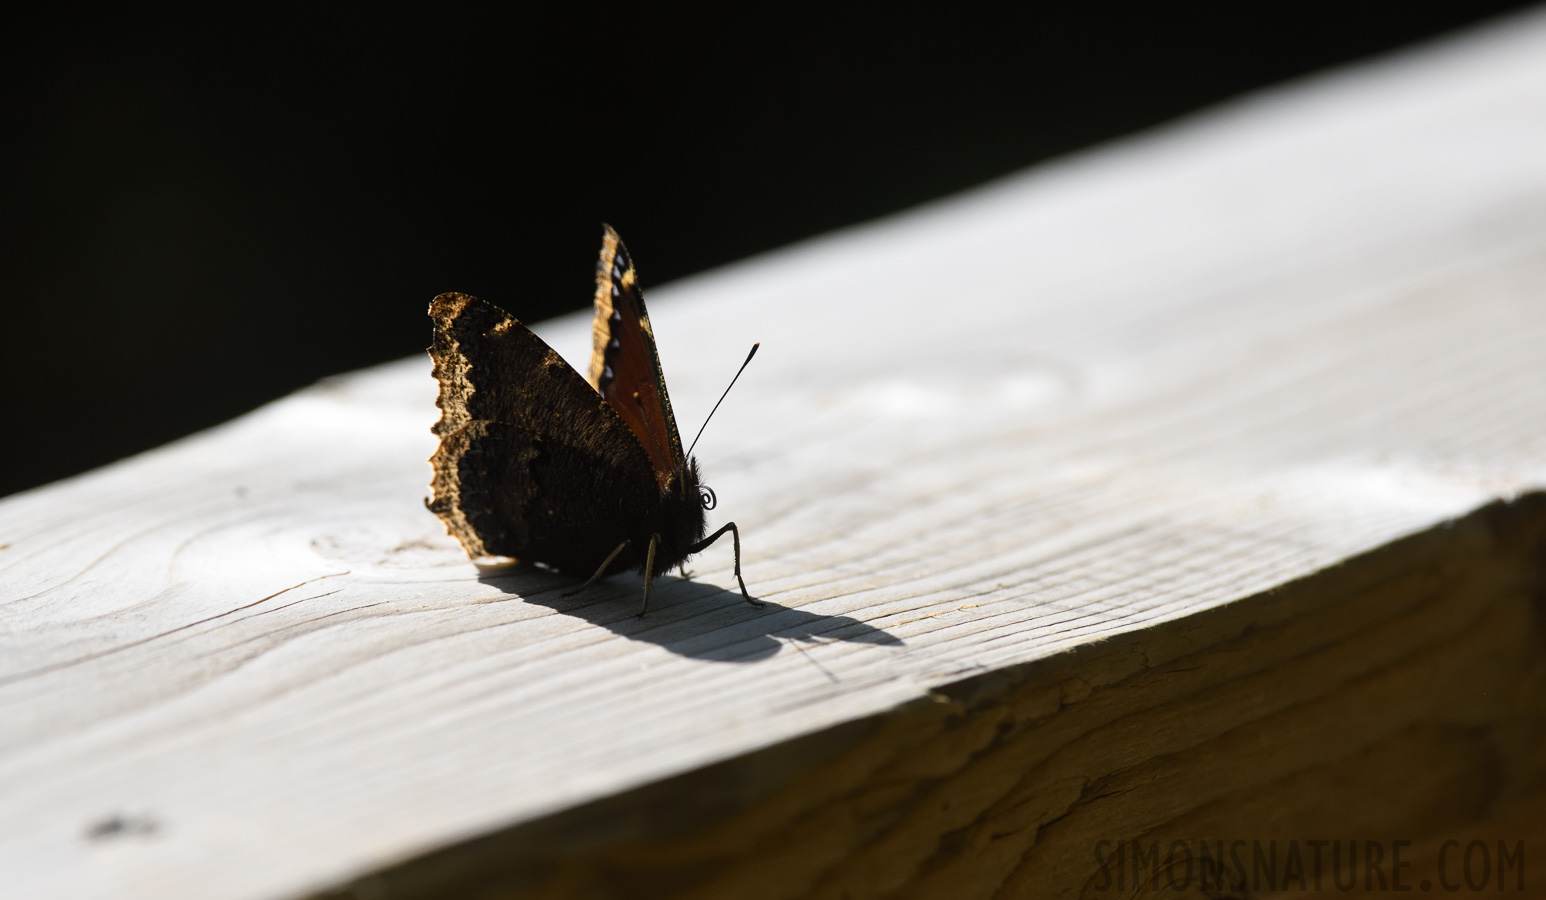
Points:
(537, 465)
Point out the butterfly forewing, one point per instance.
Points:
(624, 366)
(531, 463)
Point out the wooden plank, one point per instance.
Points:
(1042, 438)
(1398, 697)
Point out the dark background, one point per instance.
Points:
(202, 215)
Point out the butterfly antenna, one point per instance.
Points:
(722, 397)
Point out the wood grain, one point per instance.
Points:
(1050, 454)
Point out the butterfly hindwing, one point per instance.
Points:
(506, 491)
(624, 365)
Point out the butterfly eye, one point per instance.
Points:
(706, 494)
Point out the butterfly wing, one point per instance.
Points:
(531, 464)
(505, 490)
(624, 365)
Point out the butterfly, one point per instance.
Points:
(537, 464)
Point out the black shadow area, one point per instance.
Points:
(689, 618)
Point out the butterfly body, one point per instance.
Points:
(539, 465)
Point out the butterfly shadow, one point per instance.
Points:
(689, 618)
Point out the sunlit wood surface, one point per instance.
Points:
(1118, 498)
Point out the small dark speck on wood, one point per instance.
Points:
(121, 825)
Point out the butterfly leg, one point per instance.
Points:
(600, 571)
(649, 573)
(736, 534)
